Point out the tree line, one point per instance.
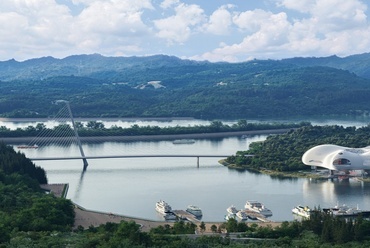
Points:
(96, 128)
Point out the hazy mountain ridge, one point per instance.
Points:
(83, 65)
(358, 64)
(99, 86)
(96, 65)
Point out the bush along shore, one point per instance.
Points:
(97, 129)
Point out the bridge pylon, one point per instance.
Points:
(84, 160)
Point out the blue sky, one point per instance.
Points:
(214, 30)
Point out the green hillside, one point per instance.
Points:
(163, 86)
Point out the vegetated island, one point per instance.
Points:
(280, 155)
(96, 131)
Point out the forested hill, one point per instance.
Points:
(358, 64)
(116, 68)
(164, 86)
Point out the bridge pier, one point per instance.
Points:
(197, 162)
(84, 160)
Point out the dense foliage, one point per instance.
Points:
(321, 230)
(24, 207)
(284, 152)
(120, 87)
(96, 128)
(12, 162)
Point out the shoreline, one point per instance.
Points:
(43, 119)
(97, 139)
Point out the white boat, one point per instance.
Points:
(183, 141)
(242, 215)
(194, 210)
(232, 210)
(229, 216)
(258, 207)
(163, 207)
(28, 146)
(345, 210)
(302, 211)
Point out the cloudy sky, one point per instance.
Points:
(214, 30)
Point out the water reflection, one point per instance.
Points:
(283, 178)
(79, 185)
(330, 192)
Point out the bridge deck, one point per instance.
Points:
(136, 156)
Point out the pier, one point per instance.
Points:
(183, 215)
(256, 216)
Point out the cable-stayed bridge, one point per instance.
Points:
(71, 134)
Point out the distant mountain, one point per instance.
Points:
(166, 86)
(358, 64)
(114, 68)
(94, 65)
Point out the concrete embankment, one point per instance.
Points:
(17, 140)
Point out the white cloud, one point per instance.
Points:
(251, 21)
(169, 3)
(46, 28)
(271, 34)
(206, 30)
(327, 27)
(331, 14)
(178, 28)
(219, 21)
(113, 18)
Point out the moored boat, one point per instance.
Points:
(232, 210)
(28, 146)
(346, 211)
(163, 207)
(302, 211)
(183, 141)
(242, 215)
(229, 216)
(258, 207)
(194, 210)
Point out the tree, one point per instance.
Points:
(202, 227)
(242, 124)
(214, 228)
(95, 125)
(40, 127)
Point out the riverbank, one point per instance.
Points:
(96, 139)
(28, 119)
(86, 218)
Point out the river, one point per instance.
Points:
(132, 186)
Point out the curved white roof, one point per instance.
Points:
(335, 157)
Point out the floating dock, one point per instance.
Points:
(257, 216)
(183, 215)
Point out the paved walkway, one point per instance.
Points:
(87, 218)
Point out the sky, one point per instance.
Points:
(213, 30)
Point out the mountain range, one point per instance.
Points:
(161, 85)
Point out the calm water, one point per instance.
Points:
(132, 186)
